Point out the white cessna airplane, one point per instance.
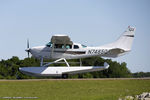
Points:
(61, 48)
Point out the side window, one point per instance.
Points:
(76, 47)
(68, 46)
(62, 46)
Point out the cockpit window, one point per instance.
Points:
(59, 46)
(84, 46)
(76, 47)
(49, 44)
(62, 46)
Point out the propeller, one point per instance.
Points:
(28, 48)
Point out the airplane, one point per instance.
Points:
(62, 48)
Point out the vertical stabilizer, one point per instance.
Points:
(124, 42)
(126, 39)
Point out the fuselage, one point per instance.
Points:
(75, 51)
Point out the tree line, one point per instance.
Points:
(9, 69)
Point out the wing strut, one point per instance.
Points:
(46, 65)
(41, 63)
(80, 62)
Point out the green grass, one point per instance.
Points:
(73, 89)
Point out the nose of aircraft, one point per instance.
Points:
(31, 50)
(35, 51)
(28, 51)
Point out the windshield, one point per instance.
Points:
(49, 44)
(84, 46)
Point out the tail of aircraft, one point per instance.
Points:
(123, 44)
(126, 39)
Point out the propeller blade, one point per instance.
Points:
(28, 48)
(27, 43)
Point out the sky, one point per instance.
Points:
(89, 22)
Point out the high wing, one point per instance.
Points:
(61, 39)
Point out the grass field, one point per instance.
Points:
(73, 89)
